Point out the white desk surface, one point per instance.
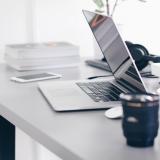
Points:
(85, 135)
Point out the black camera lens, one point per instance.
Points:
(140, 118)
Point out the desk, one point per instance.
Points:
(72, 135)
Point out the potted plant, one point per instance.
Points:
(109, 6)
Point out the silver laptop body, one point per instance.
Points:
(82, 95)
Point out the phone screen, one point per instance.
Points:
(36, 76)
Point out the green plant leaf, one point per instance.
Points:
(99, 3)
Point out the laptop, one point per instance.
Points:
(104, 93)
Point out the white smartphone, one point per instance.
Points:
(36, 77)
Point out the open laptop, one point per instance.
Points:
(97, 94)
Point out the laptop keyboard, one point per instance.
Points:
(101, 91)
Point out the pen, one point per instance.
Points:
(148, 75)
(93, 77)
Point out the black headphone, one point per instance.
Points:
(141, 55)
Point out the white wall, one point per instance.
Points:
(62, 20)
(140, 22)
(13, 26)
(14, 22)
(45, 20)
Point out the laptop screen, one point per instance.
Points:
(114, 50)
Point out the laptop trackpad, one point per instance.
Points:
(65, 92)
(70, 96)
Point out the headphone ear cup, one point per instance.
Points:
(142, 48)
(138, 52)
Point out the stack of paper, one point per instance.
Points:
(42, 55)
